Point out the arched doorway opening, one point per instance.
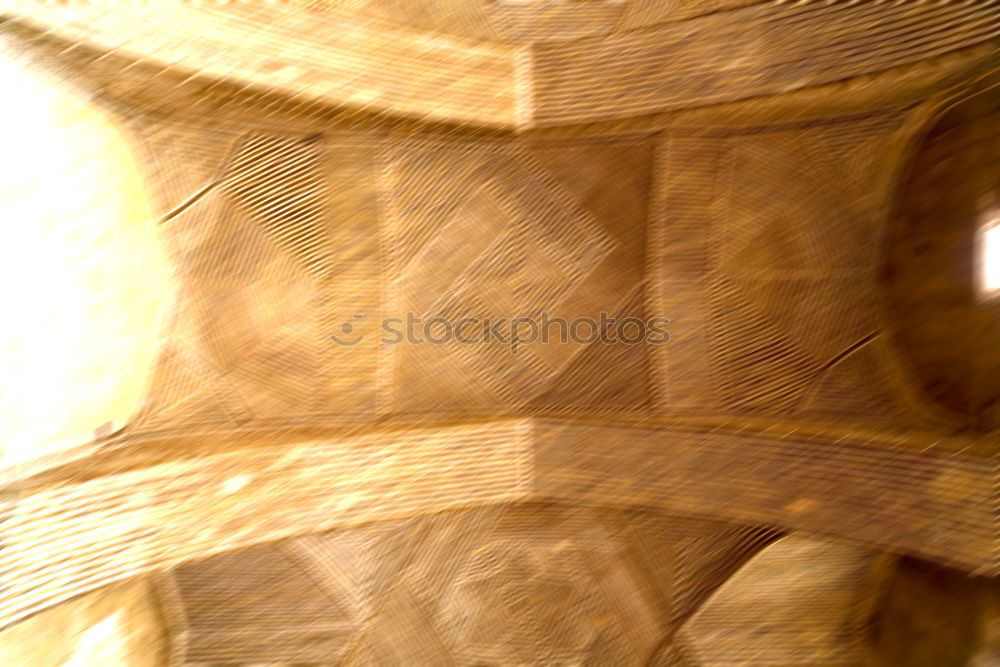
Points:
(85, 283)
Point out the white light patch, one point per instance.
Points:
(101, 644)
(234, 484)
(990, 258)
(86, 282)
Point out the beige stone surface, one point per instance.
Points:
(528, 583)
(799, 601)
(117, 626)
(313, 168)
(516, 64)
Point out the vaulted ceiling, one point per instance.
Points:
(758, 174)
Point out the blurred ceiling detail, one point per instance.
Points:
(819, 614)
(932, 615)
(501, 585)
(156, 504)
(779, 200)
(943, 321)
(117, 625)
(464, 60)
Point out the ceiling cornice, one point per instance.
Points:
(353, 63)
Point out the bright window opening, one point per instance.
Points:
(85, 282)
(989, 258)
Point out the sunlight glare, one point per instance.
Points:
(85, 281)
